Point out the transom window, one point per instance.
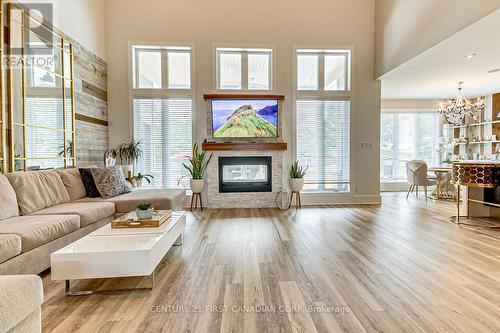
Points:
(244, 69)
(323, 70)
(322, 107)
(162, 67)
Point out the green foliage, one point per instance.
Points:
(147, 177)
(69, 149)
(198, 164)
(144, 206)
(297, 171)
(128, 152)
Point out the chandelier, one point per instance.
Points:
(456, 109)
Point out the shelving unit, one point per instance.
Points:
(479, 131)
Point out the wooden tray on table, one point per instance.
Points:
(130, 220)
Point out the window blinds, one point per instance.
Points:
(323, 143)
(407, 136)
(164, 127)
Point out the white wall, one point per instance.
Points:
(82, 20)
(283, 23)
(406, 28)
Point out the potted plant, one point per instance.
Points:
(198, 166)
(129, 152)
(144, 211)
(297, 173)
(137, 180)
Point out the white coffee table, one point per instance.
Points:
(111, 253)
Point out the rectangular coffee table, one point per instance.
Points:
(112, 253)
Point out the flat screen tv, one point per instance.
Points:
(245, 118)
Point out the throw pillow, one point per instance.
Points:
(110, 181)
(89, 184)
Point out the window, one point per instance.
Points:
(162, 67)
(162, 107)
(407, 136)
(244, 69)
(323, 118)
(326, 70)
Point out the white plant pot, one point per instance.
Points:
(296, 184)
(197, 185)
(126, 169)
(138, 182)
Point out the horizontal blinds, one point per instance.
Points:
(44, 143)
(164, 127)
(404, 137)
(323, 143)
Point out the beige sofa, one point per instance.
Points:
(21, 297)
(43, 211)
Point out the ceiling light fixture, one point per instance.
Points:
(470, 55)
(456, 109)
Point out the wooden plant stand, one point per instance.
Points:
(298, 203)
(194, 199)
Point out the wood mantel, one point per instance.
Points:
(242, 96)
(245, 146)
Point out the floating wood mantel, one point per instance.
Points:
(242, 96)
(244, 146)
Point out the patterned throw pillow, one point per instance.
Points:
(88, 182)
(110, 181)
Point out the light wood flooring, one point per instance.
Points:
(398, 267)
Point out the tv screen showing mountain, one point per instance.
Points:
(245, 118)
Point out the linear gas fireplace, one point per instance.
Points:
(245, 174)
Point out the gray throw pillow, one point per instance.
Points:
(110, 182)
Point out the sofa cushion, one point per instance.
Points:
(72, 179)
(8, 199)
(20, 297)
(37, 190)
(37, 230)
(89, 183)
(89, 212)
(110, 181)
(159, 198)
(10, 246)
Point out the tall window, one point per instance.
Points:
(244, 69)
(323, 97)
(404, 137)
(162, 105)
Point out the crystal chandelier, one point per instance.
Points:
(456, 109)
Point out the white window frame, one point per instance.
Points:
(244, 50)
(164, 92)
(332, 95)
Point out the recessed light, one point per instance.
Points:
(495, 70)
(470, 55)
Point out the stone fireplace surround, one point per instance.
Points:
(214, 198)
(246, 199)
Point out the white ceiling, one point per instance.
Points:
(436, 72)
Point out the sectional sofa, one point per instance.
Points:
(43, 211)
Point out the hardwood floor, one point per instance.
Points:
(398, 267)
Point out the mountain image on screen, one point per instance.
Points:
(245, 121)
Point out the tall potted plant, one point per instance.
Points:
(196, 168)
(297, 173)
(128, 153)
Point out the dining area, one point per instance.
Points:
(420, 175)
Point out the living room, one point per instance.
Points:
(249, 166)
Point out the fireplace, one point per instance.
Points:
(245, 174)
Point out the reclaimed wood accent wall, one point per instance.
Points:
(91, 107)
